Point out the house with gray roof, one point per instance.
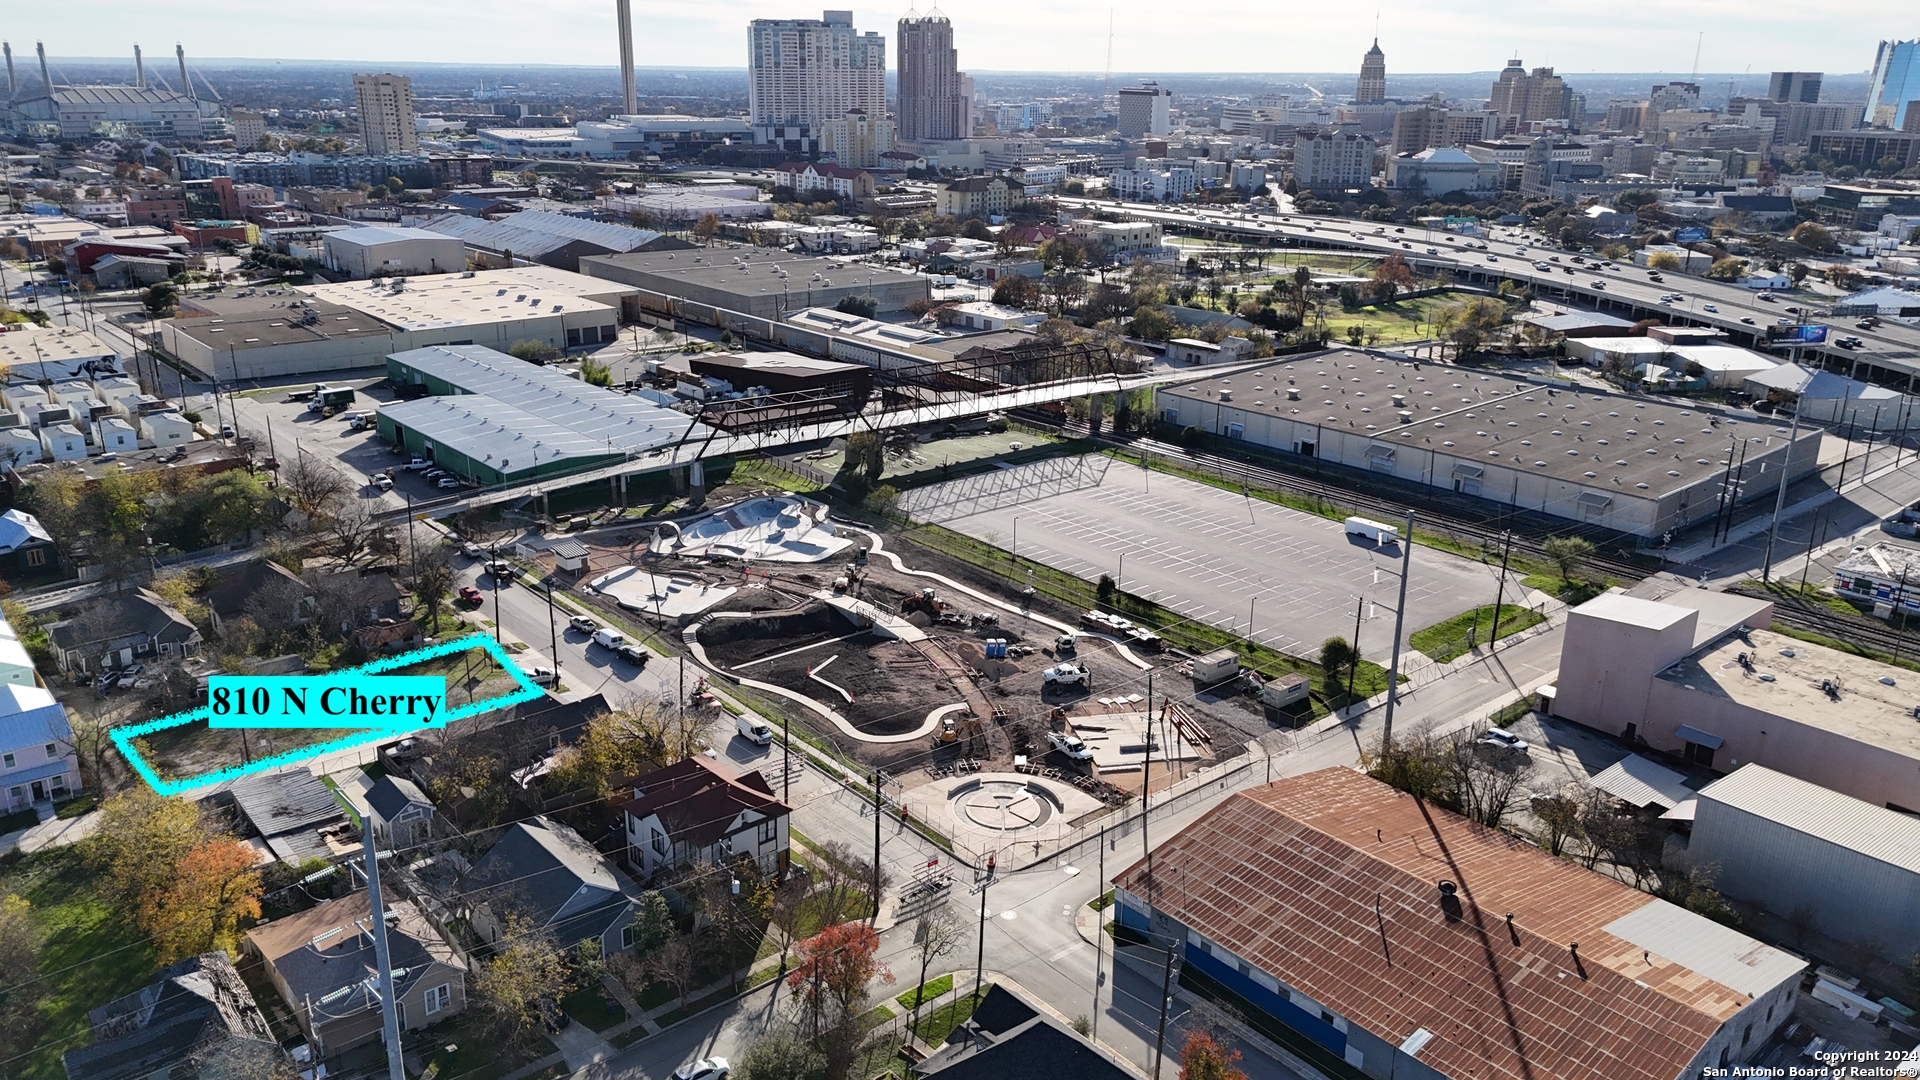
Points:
(321, 961)
(38, 761)
(1007, 1036)
(556, 240)
(25, 545)
(119, 631)
(543, 872)
(399, 813)
(199, 1002)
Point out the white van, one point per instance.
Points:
(608, 638)
(1377, 531)
(753, 730)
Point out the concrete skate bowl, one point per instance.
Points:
(1003, 806)
(776, 528)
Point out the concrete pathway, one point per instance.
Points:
(52, 832)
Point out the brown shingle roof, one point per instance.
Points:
(1329, 881)
(699, 801)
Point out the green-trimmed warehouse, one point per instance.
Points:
(493, 419)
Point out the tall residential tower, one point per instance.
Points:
(1373, 77)
(802, 73)
(385, 103)
(1145, 110)
(934, 102)
(1895, 84)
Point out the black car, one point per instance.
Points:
(632, 654)
(552, 1015)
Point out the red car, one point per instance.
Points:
(471, 596)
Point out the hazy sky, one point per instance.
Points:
(1055, 35)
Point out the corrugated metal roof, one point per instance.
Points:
(531, 233)
(1643, 783)
(1842, 820)
(1721, 953)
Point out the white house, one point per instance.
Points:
(981, 315)
(1766, 281)
(697, 812)
(115, 436)
(38, 761)
(1196, 351)
(19, 446)
(166, 429)
(63, 442)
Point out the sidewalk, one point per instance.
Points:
(52, 832)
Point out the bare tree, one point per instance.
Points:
(1802, 922)
(352, 531)
(842, 878)
(311, 485)
(1486, 779)
(937, 934)
(1559, 817)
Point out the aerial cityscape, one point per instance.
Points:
(598, 552)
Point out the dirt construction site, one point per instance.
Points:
(963, 691)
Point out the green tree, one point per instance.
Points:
(1814, 237)
(780, 1055)
(507, 989)
(975, 229)
(865, 307)
(142, 837)
(1017, 291)
(1567, 553)
(866, 452)
(1664, 260)
(595, 373)
(1152, 324)
(652, 923)
(160, 299)
(1727, 269)
(538, 352)
(232, 505)
(1338, 660)
(882, 500)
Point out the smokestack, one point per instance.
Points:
(629, 98)
(13, 82)
(186, 84)
(45, 75)
(139, 68)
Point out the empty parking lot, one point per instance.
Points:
(1206, 553)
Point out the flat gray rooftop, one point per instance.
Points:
(1580, 436)
(259, 322)
(746, 270)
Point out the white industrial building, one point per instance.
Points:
(356, 324)
(1826, 398)
(1786, 845)
(381, 251)
(1637, 465)
(1443, 170)
(31, 353)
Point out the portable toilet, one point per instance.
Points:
(1216, 666)
(115, 436)
(166, 429)
(63, 442)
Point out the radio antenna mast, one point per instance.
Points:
(1701, 40)
(1108, 76)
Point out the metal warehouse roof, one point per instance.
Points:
(513, 411)
(383, 234)
(1643, 783)
(535, 232)
(1841, 820)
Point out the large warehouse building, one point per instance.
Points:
(755, 281)
(1389, 938)
(555, 240)
(1785, 844)
(1637, 465)
(385, 250)
(493, 419)
(356, 324)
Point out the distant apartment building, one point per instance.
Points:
(248, 129)
(1145, 110)
(1895, 83)
(1425, 127)
(385, 104)
(819, 178)
(1801, 86)
(1332, 161)
(1145, 184)
(1372, 86)
(1866, 148)
(975, 196)
(802, 73)
(935, 95)
(857, 140)
(1522, 97)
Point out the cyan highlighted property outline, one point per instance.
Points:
(123, 736)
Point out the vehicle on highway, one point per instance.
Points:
(1767, 298)
(1493, 258)
(447, 482)
(1748, 319)
(1433, 251)
(583, 623)
(1656, 276)
(1710, 307)
(1069, 745)
(472, 596)
(1791, 310)
(1504, 739)
(1596, 285)
(713, 1068)
(633, 654)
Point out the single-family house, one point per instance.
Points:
(38, 760)
(199, 1001)
(696, 811)
(122, 630)
(25, 545)
(542, 875)
(1007, 1036)
(271, 591)
(399, 813)
(322, 963)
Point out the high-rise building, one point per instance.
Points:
(385, 103)
(1521, 97)
(1801, 86)
(802, 73)
(1430, 125)
(1332, 161)
(1895, 84)
(934, 99)
(1373, 76)
(1145, 110)
(1674, 97)
(248, 129)
(857, 140)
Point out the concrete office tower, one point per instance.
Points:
(1373, 77)
(1145, 110)
(1895, 83)
(386, 113)
(629, 97)
(802, 73)
(1801, 86)
(1521, 97)
(934, 99)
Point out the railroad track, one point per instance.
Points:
(1853, 630)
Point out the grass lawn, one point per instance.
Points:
(1101, 902)
(1443, 641)
(655, 995)
(480, 1054)
(813, 914)
(1402, 320)
(937, 1025)
(593, 1008)
(73, 808)
(92, 954)
(933, 988)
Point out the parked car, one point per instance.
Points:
(383, 481)
(583, 623)
(714, 1068)
(417, 463)
(552, 1015)
(1504, 739)
(633, 654)
(472, 551)
(608, 638)
(447, 482)
(1064, 675)
(543, 676)
(433, 474)
(753, 730)
(472, 596)
(501, 570)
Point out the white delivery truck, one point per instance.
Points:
(608, 638)
(1379, 532)
(753, 730)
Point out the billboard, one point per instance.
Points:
(1804, 334)
(1689, 236)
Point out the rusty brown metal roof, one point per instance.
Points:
(1330, 882)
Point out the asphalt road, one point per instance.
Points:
(1211, 555)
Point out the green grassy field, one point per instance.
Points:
(1403, 320)
(1444, 641)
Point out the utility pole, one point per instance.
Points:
(1146, 786)
(1499, 594)
(786, 758)
(1359, 605)
(389, 1016)
(553, 633)
(1100, 929)
(876, 849)
(493, 571)
(1166, 998)
(1780, 499)
(980, 952)
(1399, 622)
